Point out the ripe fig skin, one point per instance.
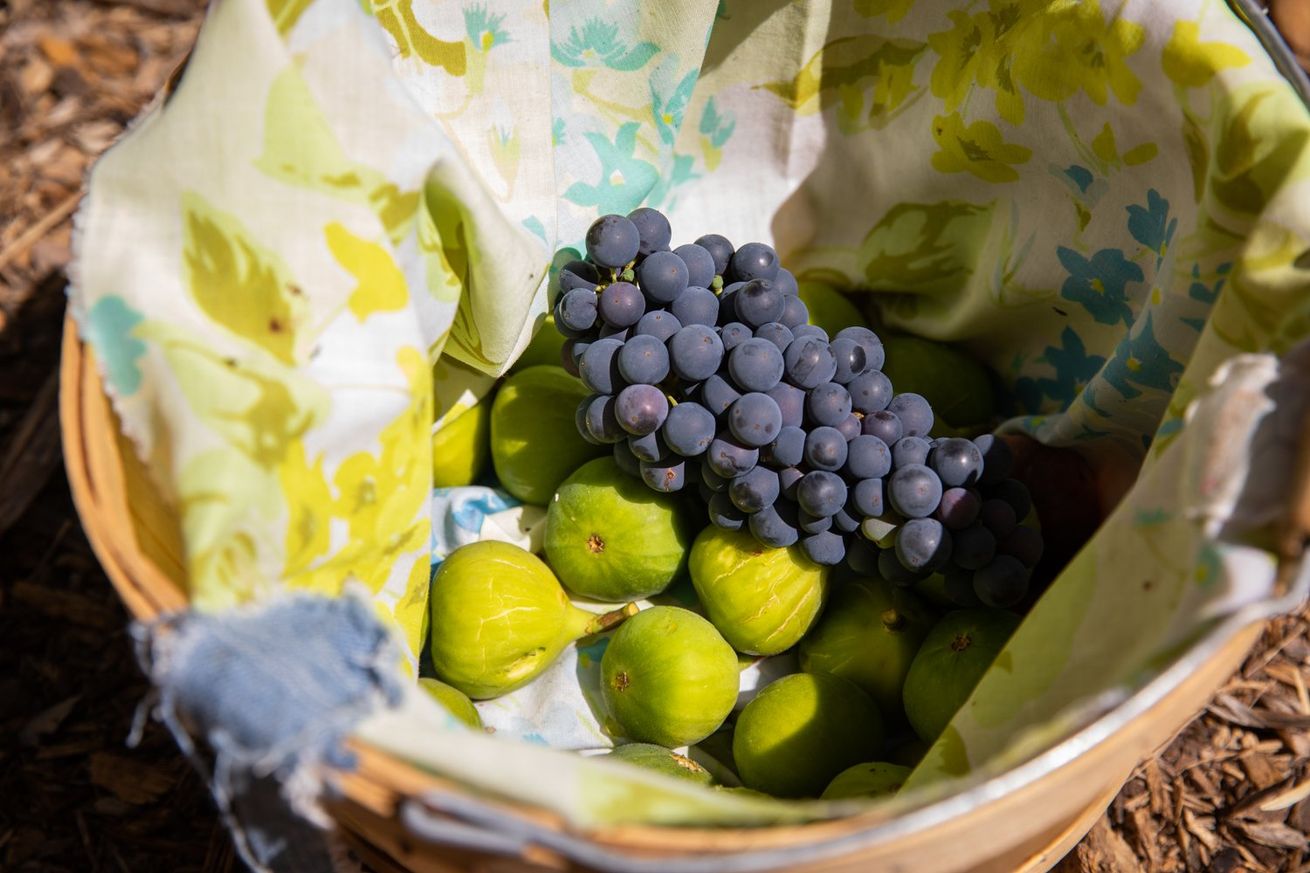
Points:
(662, 760)
(453, 700)
(952, 660)
(668, 678)
(534, 435)
(611, 538)
(873, 779)
(762, 600)
(498, 617)
(803, 730)
(460, 449)
(869, 633)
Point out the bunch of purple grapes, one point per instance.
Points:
(704, 370)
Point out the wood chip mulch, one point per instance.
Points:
(1230, 793)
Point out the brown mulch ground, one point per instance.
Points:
(1232, 792)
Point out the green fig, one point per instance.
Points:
(461, 438)
(662, 760)
(829, 308)
(869, 634)
(957, 386)
(453, 700)
(535, 443)
(543, 349)
(762, 600)
(952, 660)
(611, 538)
(875, 779)
(499, 618)
(667, 677)
(801, 731)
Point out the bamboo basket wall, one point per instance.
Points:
(1026, 819)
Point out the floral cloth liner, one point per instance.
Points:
(1108, 202)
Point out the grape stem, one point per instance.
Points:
(611, 619)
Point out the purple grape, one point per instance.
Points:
(884, 425)
(719, 249)
(867, 497)
(712, 480)
(727, 303)
(700, 265)
(576, 309)
(754, 261)
(626, 461)
(794, 311)
(717, 394)
(724, 515)
(599, 366)
(569, 353)
(663, 276)
(609, 331)
(757, 303)
(754, 489)
(791, 402)
(788, 479)
(959, 508)
(973, 547)
(754, 419)
(696, 305)
(868, 457)
(772, 529)
(914, 412)
(998, 460)
(776, 333)
(914, 491)
(788, 448)
(911, 450)
(653, 230)
(695, 352)
(643, 359)
(828, 404)
(649, 447)
(851, 426)
(641, 409)
(871, 391)
(810, 330)
(612, 241)
(999, 517)
(601, 423)
(659, 323)
(922, 545)
(808, 363)
(580, 421)
(825, 548)
(621, 305)
(821, 493)
(812, 524)
(826, 449)
(844, 522)
(733, 334)
(1015, 493)
(728, 458)
(577, 274)
(1023, 543)
(874, 354)
(850, 358)
(786, 282)
(665, 476)
(957, 462)
(755, 365)
(1002, 583)
(688, 429)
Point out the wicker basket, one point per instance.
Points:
(1025, 819)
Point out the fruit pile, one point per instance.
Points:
(728, 443)
(703, 370)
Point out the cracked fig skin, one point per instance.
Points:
(668, 677)
(498, 618)
(763, 600)
(611, 538)
(662, 760)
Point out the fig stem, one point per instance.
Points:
(611, 619)
(893, 619)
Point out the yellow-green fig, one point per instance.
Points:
(874, 779)
(461, 446)
(667, 677)
(952, 660)
(763, 600)
(610, 538)
(499, 618)
(869, 634)
(535, 442)
(801, 731)
(662, 760)
(453, 700)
